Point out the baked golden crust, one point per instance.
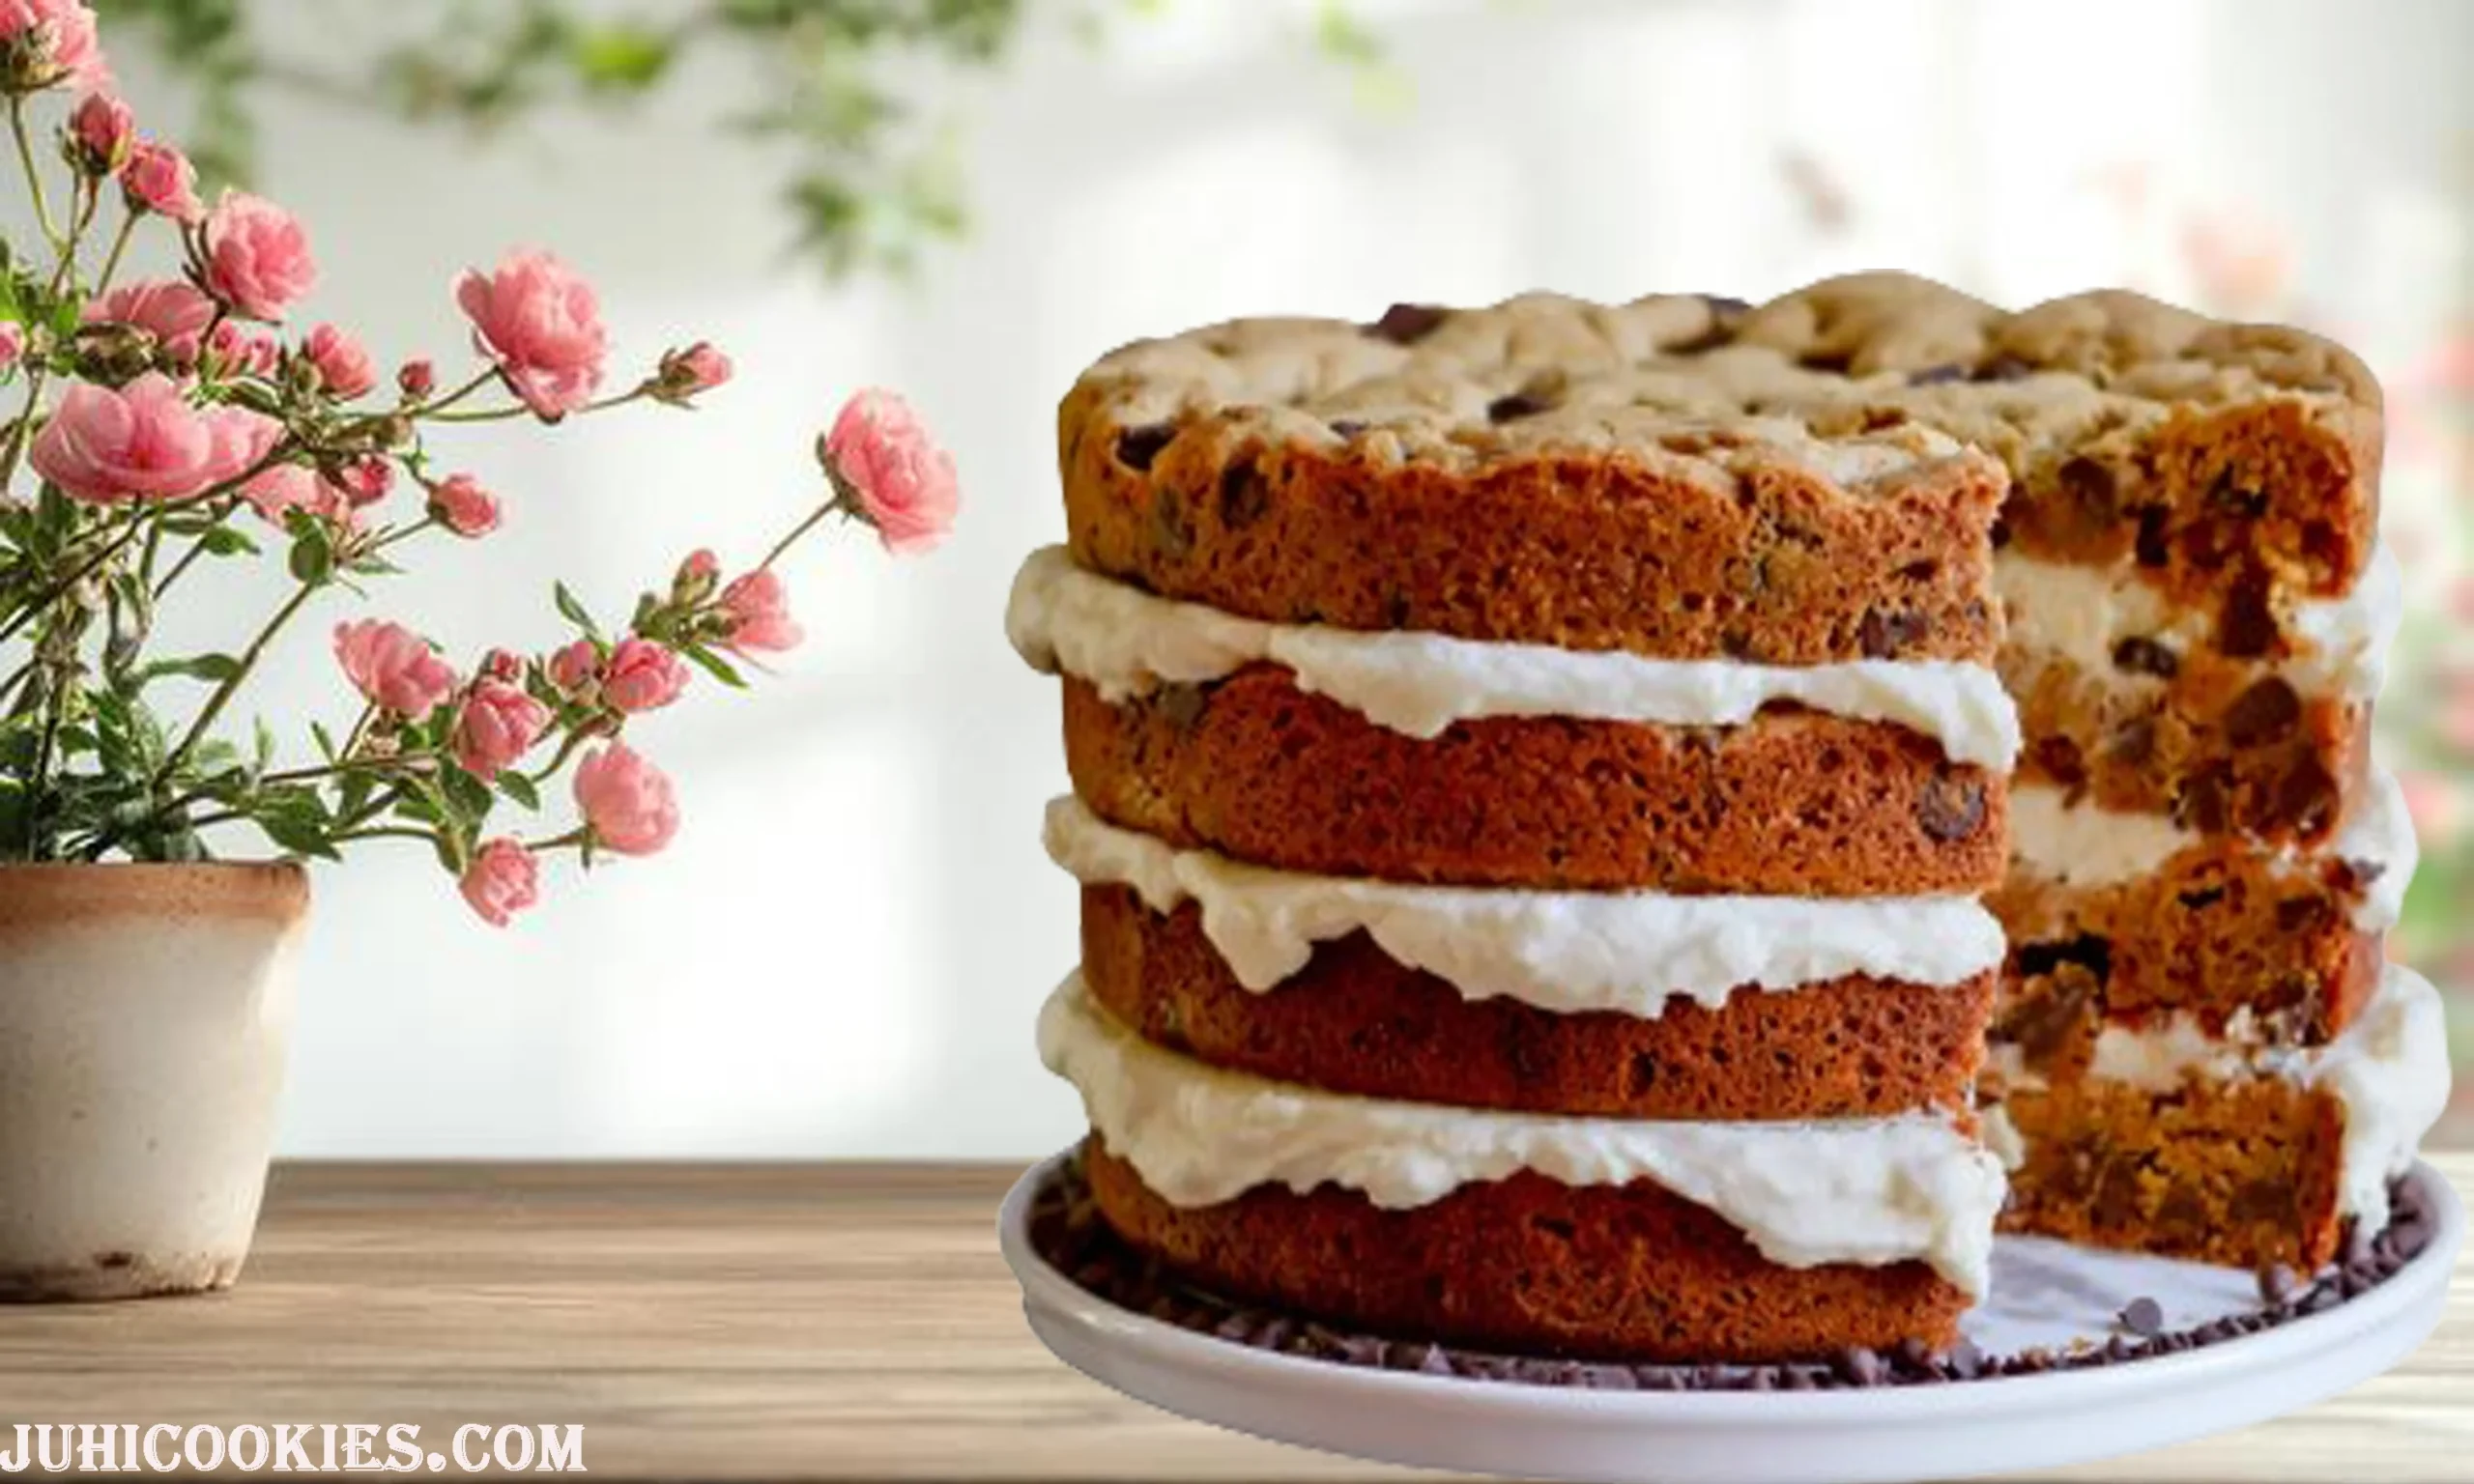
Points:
(2244, 1173)
(1530, 1266)
(1354, 1021)
(1689, 477)
(1795, 804)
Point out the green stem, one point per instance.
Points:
(224, 693)
(433, 409)
(507, 414)
(62, 589)
(119, 246)
(575, 742)
(385, 832)
(842, 502)
(34, 176)
(189, 558)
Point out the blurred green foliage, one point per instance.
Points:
(872, 175)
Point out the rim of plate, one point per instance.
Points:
(2209, 1365)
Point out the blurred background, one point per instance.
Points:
(969, 200)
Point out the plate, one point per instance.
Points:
(1953, 1430)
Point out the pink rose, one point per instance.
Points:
(879, 455)
(145, 442)
(464, 507)
(244, 349)
(417, 379)
(502, 880)
(642, 675)
(503, 665)
(543, 324)
(626, 801)
(70, 50)
(344, 368)
(497, 724)
(175, 313)
(577, 668)
(688, 373)
(102, 132)
(394, 668)
(289, 487)
(12, 345)
(160, 178)
(366, 481)
(759, 608)
(256, 256)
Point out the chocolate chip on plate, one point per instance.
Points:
(2144, 1317)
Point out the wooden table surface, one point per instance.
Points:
(803, 1322)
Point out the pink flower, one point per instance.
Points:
(880, 455)
(464, 507)
(642, 675)
(289, 487)
(503, 665)
(577, 668)
(244, 349)
(394, 668)
(12, 345)
(417, 379)
(175, 313)
(344, 368)
(497, 724)
(160, 178)
(686, 374)
(695, 579)
(256, 256)
(366, 481)
(502, 880)
(145, 442)
(626, 801)
(104, 132)
(543, 324)
(68, 50)
(759, 608)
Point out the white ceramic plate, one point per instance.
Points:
(1841, 1437)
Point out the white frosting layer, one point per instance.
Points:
(2081, 612)
(1559, 951)
(2089, 846)
(1127, 643)
(2389, 1070)
(1871, 1191)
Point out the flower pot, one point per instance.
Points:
(144, 1012)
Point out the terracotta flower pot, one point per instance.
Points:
(144, 1013)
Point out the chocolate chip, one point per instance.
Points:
(2263, 713)
(2149, 544)
(1834, 362)
(2246, 627)
(1346, 427)
(1516, 405)
(1724, 307)
(1966, 1361)
(1245, 495)
(2205, 803)
(2225, 495)
(2090, 489)
(2142, 656)
(2060, 761)
(1137, 447)
(1608, 1378)
(1862, 1366)
(2087, 951)
(1884, 636)
(1936, 376)
(1408, 323)
(1183, 706)
(1949, 808)
(1914, 1354)
(2144, 1317)
(2298, 915)
(2133, 743)
(2006, 367)
(2306, 798)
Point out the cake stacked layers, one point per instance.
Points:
(1530, 805)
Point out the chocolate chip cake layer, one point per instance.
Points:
(1356, 1020)
(1694, 477)
(2227, 1146)
(1630, 1272)
(1804, 804)
(1554, 1235)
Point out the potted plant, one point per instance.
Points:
(158, 425)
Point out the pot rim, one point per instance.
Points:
(41, 894)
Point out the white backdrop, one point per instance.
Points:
(843, 952)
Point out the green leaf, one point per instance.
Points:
(574, 611)
(225, 541)
(715, 666)
(518, 787)
(299, 835)
(325, 741)
(622, 58)
(314, 549)
(214, 668)
(469, 795)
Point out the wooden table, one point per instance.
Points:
(802, 1322)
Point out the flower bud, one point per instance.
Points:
(417, 378)
(100, 136)
(697, 577)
